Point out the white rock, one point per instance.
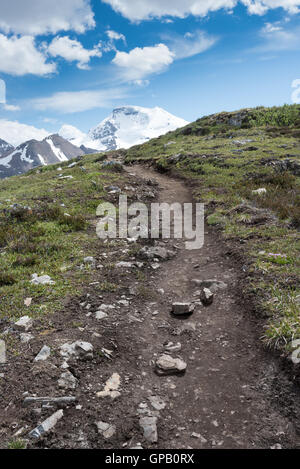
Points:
(123, 303)
(171, 347)
(106, 429)
(182, 308)
(206, 296)
(260, 191)
(127, 265)
(2, 352)
(47, 425)
(168, 365)
(44, 354)
(111, 387)
(101, 315)
(79, 349)
(67, 381)
(106, 308)
(43, 280)
(149, 426)
(26, 337)
(157, 402)
(24, 324)
(89, 260)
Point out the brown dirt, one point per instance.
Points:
(234, 394)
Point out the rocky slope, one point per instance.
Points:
(5, 147)
(33, 153)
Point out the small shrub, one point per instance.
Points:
(6, 279)
(26, 261)
(17, 444)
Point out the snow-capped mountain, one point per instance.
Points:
(123, 128)
(133, 125)
(52, 149)
(5, 147)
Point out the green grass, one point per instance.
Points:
(17, 444)
(225, 163)
(50, 231)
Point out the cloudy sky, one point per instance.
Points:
(72, 61)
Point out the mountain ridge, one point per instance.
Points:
(33, 153)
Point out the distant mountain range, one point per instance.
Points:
(53, 149)
(125, 127)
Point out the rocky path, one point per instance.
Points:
(229, 396)
(101, 377)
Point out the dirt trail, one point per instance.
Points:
(232, 392)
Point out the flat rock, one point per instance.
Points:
(261, 191)
(44, 354)
(79, 349)
(2, 352)
(101, 315)
(167, 365)
(24, 324)
(106, 429)
(67, 381)
(149, 426)
(111, 388)
(156, 253)
(125, 265)
(213, 284)
(180, 309)
(157, 402)
(89, 260)
(43, 280)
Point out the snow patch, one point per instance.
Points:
(57, 151)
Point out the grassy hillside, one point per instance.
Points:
(226, 158)
(47, 227)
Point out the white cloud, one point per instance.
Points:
(69, 132)
(260, 7)
(19, 56)
(66, 102)
(276, 37)
(73, 51)
(16, 133)
(142, 62)
(11, 107)
(77, 137)
(137, 10)
(36, 17)
(190, 44)
(114, 36)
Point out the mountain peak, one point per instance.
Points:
(132, 125)
(5, 147)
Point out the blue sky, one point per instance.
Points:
(72, 61)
